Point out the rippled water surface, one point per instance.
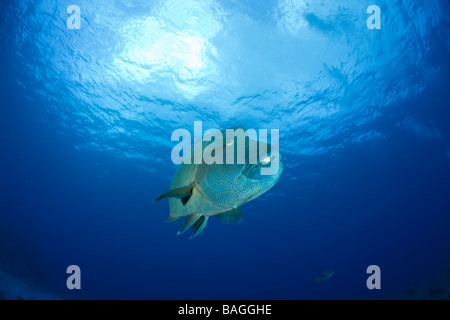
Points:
(88, 116)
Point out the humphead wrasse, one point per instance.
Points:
(220, 188)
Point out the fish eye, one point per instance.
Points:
(266, 160)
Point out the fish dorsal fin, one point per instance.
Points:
(210, 143)
(232, 216)
(183, 193)
(207, 139)
(200, 145)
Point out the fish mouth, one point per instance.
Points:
(266, 182)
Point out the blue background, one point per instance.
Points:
(87, 116)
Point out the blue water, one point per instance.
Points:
(87, 116)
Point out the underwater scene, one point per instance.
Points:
(224, 150)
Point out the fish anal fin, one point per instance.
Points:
(172, 219)
(183, 193)
(231, 217)
(190, 220)
(198, 226)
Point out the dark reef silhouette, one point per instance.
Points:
(436, 287)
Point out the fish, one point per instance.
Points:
(200, 191)
(327, 274)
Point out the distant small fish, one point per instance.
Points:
(19, 298)
(327, 274)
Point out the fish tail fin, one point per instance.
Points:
(183, 193)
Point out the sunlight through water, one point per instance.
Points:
(138, 70)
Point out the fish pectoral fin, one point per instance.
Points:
(190, 220)
(184, 200)
(232, 216)
(198, 226)
(183, 193)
